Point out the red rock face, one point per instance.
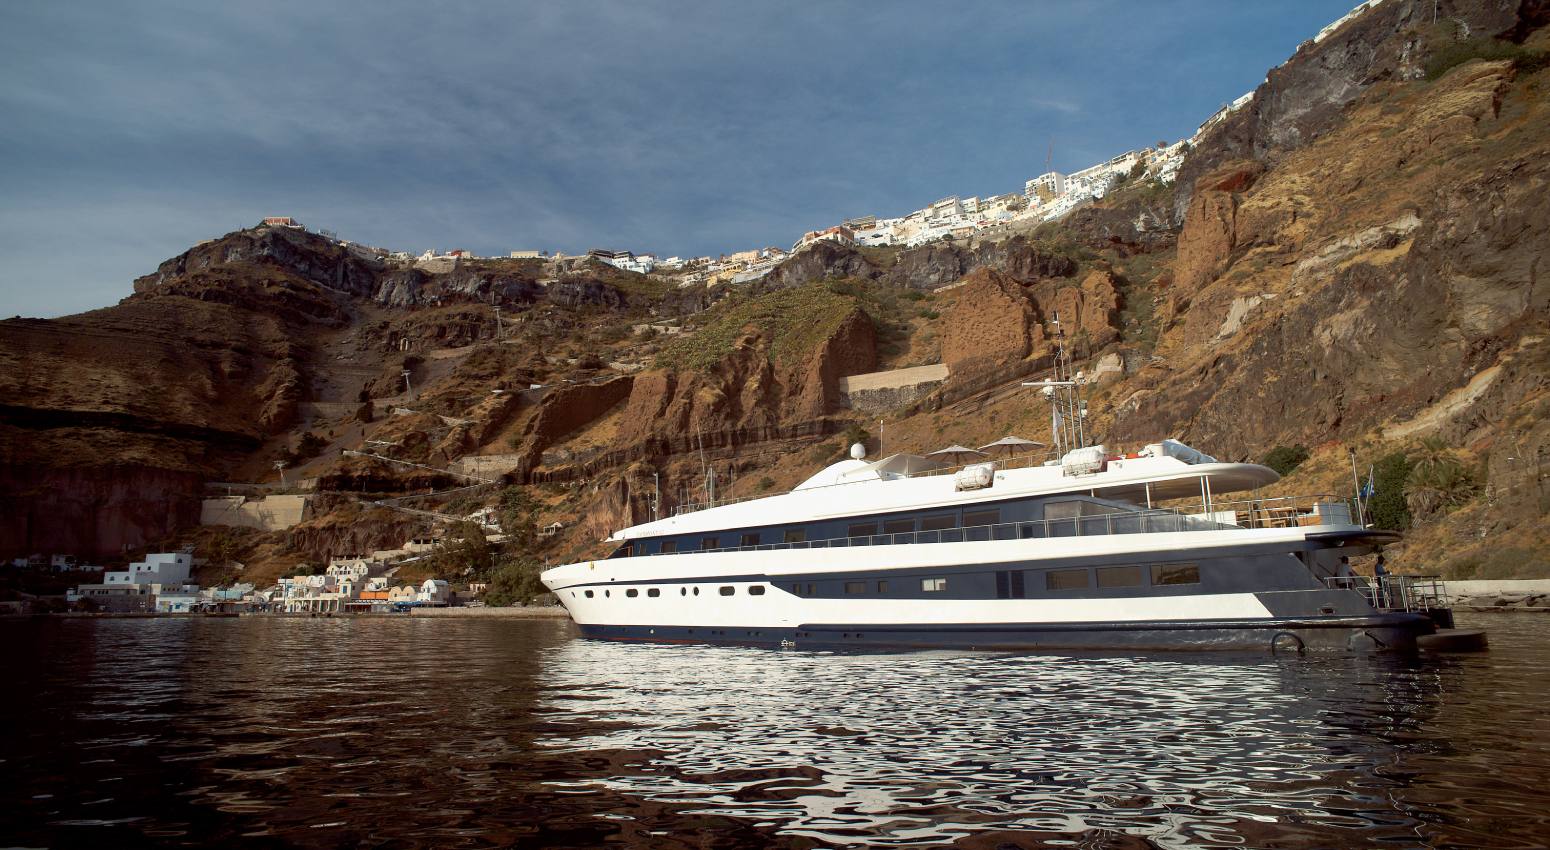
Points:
(746, 397)
(1210, 227)
(92, 511)
(566, 409)
(992, 322)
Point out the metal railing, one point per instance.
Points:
(1279, 512)
(1394, 592)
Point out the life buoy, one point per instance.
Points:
(1275, 642)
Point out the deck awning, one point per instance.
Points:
(1223, 477)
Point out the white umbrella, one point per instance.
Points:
(954, 452)
(1013, 445)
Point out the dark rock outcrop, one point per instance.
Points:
(298, 252)
(1304, 97)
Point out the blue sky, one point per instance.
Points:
(133, 130)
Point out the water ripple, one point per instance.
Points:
(471, 733)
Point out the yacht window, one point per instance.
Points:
(971, 519)
(899, 526)
(795, 535)
(882, 586)
(809, 590)
(624, 551)
(855, 587)
(709, 542)
(589, 594)
(1065, 579)
(1175, 574)
(1062, 510)
(862, 529)
(632, 593)
(939, 522)
(653, 592)
(728, 590)
(750, 539)
(932, 585)
(796, 589)
(1072, 508)
(1119, 577)
(756, 590)
(669, 546)
(696, 591)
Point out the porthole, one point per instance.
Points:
(696, 591)
(683, 591)
(607, 593)
(632, 593)
(653, 592)
(589, 594)
(756, 590)
(727, 590)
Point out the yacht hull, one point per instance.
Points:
(1391, 632)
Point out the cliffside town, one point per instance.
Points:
(1348, 258)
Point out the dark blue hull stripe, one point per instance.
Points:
(1379, 631)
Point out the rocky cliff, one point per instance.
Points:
(1353, 259)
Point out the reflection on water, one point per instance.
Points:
(475, 733)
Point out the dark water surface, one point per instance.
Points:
(477, 733)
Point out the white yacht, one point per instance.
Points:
(1089, 549)
(1074, 552)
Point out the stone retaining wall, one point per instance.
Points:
(266, 513)
(879, 391)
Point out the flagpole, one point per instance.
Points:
(1356, 481)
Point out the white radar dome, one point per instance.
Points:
(857, 451)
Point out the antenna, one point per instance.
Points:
(1068, 411)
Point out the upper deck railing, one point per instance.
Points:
(1278, 512)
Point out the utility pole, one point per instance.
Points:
(656, 499)
(500, 331)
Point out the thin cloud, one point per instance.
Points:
(680, 127)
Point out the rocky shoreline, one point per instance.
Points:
(1505, 596)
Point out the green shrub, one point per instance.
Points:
(1450, 56)
(1284, 459)
(854, 434)
(1438, 481)
(310, 444)
(794, 321)
(518, 514)
(1387, 508)
(515, 582)
(765, 483)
